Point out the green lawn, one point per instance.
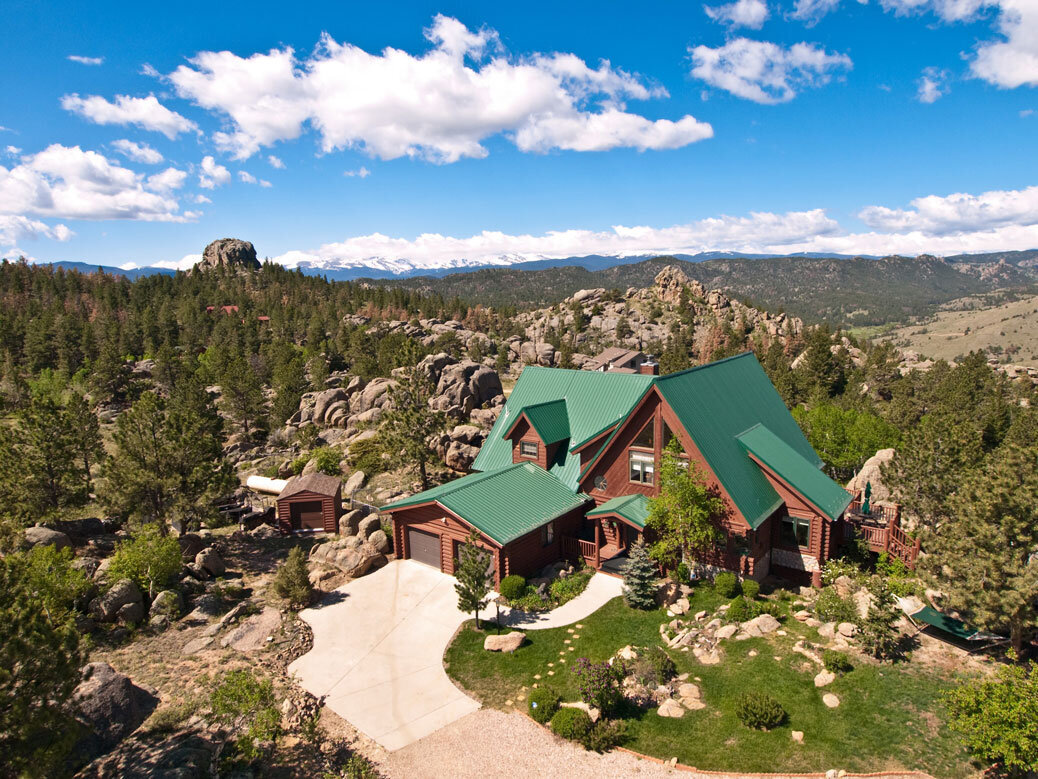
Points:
(885, 719)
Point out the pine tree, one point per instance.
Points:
(410, 424)
(48, 447)
(169, 463)
(930, 465)
(640, 578)
(983, 556)
(470, 569)
(292, 580)
(242, 394)
(39, 668)
(878, 633)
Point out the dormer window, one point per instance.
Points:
(528, 449)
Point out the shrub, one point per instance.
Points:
(998, 717)
(564, 590)
(574, 724)
(359, 767)
(308, 435)
(759, 711)
(366, 455)
(599, 683)
(149, 560)
(513, 587)
(292, 580)
(726, 584)
(543, 703)
(299, 464)
(605, 735)
(653, 667)
(326, 461)
(837, 567)
(248, 704)
(682, 574)
(55, 584)
(750, 589)
(836, 662)
(529, 601)
(830, 607)
(740, 609)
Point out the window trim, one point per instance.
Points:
(797, 522)
(649, 460)
(536, 449)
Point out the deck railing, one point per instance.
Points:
(878, 513)
(573, 548)
(881, 528)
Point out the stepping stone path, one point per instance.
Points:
(798, 736)
(823, 678)
(830, 700)
(671, 708)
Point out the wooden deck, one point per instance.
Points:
(881, 528)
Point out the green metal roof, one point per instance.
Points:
(802, 475)
(503, 504)
(594, 401)
(633, 508)
(549, 419)
(719, 401)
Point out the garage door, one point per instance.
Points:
(308, 515)
(425, 547)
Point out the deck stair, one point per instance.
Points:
(881, 528)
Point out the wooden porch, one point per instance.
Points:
(881, 527)
(598, 545)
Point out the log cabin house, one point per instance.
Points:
(569, 467)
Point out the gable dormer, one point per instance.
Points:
(538, 432)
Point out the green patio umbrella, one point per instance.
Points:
(866, 503)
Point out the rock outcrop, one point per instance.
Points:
(110, 707)
(229, 253)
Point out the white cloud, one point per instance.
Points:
(811, 11)
(213, 174)
(1026, 113)
(932, 85)
(13, 151)
(14, 227)
(265, 184)
(168, 180)
(741, 13)
(145, 112)
(953, 224)
(85, 60)
(958, 213)
(1012, 62)
(361, 173)
(438, 106)
(275, 162)
(247, 177)
(184, 263)
(68, 182)
(138, 152)
(202, 199)
(765, 72)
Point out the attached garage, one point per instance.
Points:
(310, 503)
(425, 547)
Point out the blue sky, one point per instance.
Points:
(475, 131)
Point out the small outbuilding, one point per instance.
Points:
(310, 503)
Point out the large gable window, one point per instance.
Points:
(796, 531)
(528, 449)
(646, 438)
(642, 466)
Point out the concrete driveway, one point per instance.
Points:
(378, 650)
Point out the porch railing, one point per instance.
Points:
(573, 548)
(881, 528)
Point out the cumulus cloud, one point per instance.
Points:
(138, 152)
(811, 11)
(741, 13)
(145, 112)
(765, 72)
(213, 174)
(932, 85)
(168, 180)
(438, 106)
(68, 182)
(13, 151)
(958, 213)
(14, 227)
(361, 173)
(248, 178)
(1012, 62)
(85, 60)
(275, 162)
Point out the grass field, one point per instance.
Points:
(888, 717)
(1007, 328)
